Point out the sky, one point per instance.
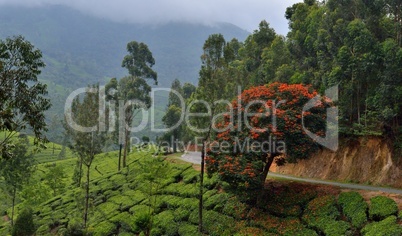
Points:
(244, 13)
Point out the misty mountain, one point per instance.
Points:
(80, 49)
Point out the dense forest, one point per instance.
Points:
(353, 45)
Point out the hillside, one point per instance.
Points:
(79, 50)
(119, 199)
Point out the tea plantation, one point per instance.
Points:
(121, 200)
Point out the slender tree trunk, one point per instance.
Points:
(86, 198)
(13, 206)
(80, 173)
(121, 147)
(174, 144)
(125, 149)
(201, 204)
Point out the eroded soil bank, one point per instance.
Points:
(365, 160)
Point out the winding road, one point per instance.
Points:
(195, 158)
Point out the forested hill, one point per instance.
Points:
(81, 49)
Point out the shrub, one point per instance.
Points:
(381, 207)
(400, 215)
(250, 231)
(165, 221)
(181, 214)
(387, 227)
(321, 208)
(321, 214)
(75, 228)
(235, 208)
(105, 228)
(24, 224)
(354, 208)
(125, 220)
(216, 201)
(142, 222)
(302, 232)
(188, 229)
(214, 223)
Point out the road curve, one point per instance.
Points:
(195, 158)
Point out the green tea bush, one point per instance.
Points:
(124, 202)
(386, 227)
(381, 207)
(104, 228)
(188, 229)
(125, 220)
(182, 189)
(137, 209)
(181, 214)
(321, 207)
(190, 176)
(322, 213)
(165, 221)
(216, 201)
(211, 182)
(354, 208)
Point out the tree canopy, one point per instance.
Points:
(23, 97)
(264, 123)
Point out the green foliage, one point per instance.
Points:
(24, 225)
(386, 227)
(188, 229)
(54, 178)
(165, 222)
(143, 222)
(104, 228)
(382, 207)
(354, 208)
(22, 96)
(322, 214)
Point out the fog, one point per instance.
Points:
(243, 13)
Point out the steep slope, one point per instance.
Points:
(365, 160)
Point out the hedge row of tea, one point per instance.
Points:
(120, 199)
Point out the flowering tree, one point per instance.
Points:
(265, 124)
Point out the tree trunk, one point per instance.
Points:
(264, 175)
(174, 144)
(121, 147)
(125, 149)
(201, 204)
(86, 198)
(13, 206)
(80, 173)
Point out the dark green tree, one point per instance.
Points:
(133, 90)
(86, 144)
(24, 225)
(23, 97)
(17, 170)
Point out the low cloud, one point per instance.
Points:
(245, 14)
